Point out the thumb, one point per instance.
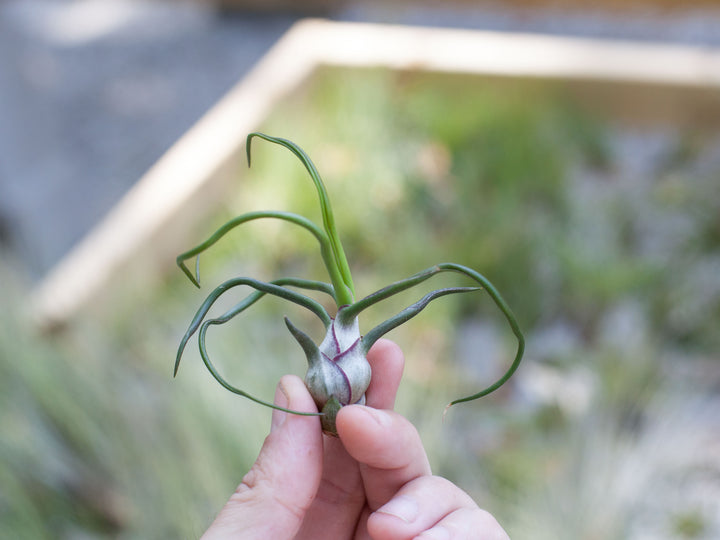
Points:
(274, 495)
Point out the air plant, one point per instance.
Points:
(338, 371)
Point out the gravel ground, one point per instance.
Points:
(92, 92)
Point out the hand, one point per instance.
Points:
(373, 482)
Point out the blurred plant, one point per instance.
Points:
(589, 237)
(338, 372)
(91, 444)
(615, 273)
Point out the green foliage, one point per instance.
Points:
(575, 228)
(589, 233)
(690, 525)
(98, 442)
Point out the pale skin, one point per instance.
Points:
(373, 482)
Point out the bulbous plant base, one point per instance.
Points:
(329, 412)
(327, 420)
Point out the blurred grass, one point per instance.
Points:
(604, 240)
(99, 441)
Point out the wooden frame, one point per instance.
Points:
(671, 83)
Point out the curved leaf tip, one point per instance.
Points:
(195, 280)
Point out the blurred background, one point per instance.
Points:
(602, 231)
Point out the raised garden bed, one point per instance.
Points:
(580, 176)
(656, 84)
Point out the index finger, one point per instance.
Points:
(340, 497)
(387, 362)
(388, 448)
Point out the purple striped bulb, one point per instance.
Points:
(338, 371)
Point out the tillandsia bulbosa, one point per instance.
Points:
(338, 371)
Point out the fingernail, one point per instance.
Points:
(401, 507)
(281, 400)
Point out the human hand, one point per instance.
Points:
(373, 482)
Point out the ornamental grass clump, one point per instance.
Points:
(338, 371)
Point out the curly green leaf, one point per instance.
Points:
(219, 378)
(408, 313)
(344, 289)
(266, 288)
(386, 292)
(325, 247)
